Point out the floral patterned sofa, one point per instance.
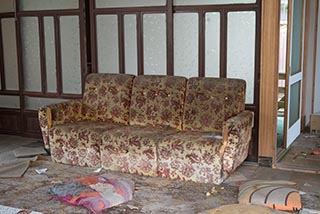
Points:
(191, 129)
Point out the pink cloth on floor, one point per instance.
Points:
(108, 192)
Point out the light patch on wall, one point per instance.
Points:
(10, 56)
(9, 101)
(6, 6)
(130, 44)
(107, 44)
(212, 45)
(48, 4)
(34, 103)
(211, 2)
(31, 54)
(186, 44)
(70, 54)
(128, 3)
(241, 49)
(155, 39)
(50, 47)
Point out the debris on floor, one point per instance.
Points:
(279, 195)
(12, 210)
(32, 149)
(240, 208)
(315, 152)
(13, 168)
(13, 164)
(96, 193)
(41, 171)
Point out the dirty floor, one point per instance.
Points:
(152, 195)
(301, 155)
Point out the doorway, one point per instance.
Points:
(290, 73)
(296, 147)
(282, 74)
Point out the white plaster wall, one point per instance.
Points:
(154, 44)
(128, 3)
(9, 101)
(317, 72)
(204, 2)
(6, 6)
(130, 44)
(212, 45)
(10, 56)
(241, 49)
(309, 62)
(70, 54)
(185, 41)
(107, 44)
(48, 4)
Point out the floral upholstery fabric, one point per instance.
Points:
(157, 101)
(211, 101)
(152, 125)
(43, 122)
(59, 113)
(237, 135)
(78, 143)
(65, 112)
(191, 156)
(132, 149)
(107, 97)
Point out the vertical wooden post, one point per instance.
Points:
(269, 78)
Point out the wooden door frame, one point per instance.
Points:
(270, 31)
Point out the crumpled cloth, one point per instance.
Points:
(96, 193)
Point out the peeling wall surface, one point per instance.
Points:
(185, 34)
(309, 59)
(56, 46)
(316, 105)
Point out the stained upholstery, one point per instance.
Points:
(191, 156)
(237, 133)
(132, 149)
(59, 113)
(107, 97)
(190, 129)
(78, 143)
(157, 101)
(211, 101)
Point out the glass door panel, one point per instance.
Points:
(294, 72)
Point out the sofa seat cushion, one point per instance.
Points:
(78, 143)
(211, 101)
(132, 149)
(107, 97)
(191, 156)
(157, 101)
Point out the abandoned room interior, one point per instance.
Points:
(159, 106)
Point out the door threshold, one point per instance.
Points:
(295, 169)
(281, 153)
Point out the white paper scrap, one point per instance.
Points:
(213, 136)
(97, 170)
(41, 171)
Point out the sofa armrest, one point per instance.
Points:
(59, 113)
(236, 139)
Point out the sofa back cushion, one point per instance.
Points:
(107, 97)
(157, 101)
(211, 101)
